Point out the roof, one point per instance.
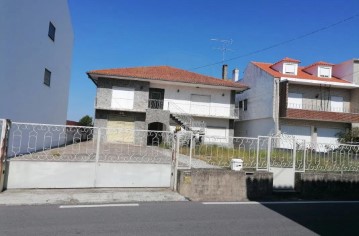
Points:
(302, 74)
(166, 73)
(320, 63)
(287, 59)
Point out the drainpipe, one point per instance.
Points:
(276, 105)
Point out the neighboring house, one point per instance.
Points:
(161, 97)
(36, 49)
(313, 103)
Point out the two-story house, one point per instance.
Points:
(313, 103)
(35, 63)
(162, 97)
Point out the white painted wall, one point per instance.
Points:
(42, 174)
(261, 99)
(26, 50)
(348, 70)
(219, 105)
(254, 128)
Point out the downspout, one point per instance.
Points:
(276, 105)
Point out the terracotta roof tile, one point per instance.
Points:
(301, 73)
(166, 73)
(319, 63)
(287, 59)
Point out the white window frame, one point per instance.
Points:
(126, 102)
(321, 69)
(286, 66)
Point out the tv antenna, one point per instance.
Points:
(224, 48)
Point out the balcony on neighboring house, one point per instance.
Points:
(324, 112)
(193, 109)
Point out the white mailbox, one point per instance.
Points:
(236, 164)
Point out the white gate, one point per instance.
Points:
(53, 156)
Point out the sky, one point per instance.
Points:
(178, 33)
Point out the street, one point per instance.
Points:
(183, 218)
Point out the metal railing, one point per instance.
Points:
(155, 104)
(326, 108)
(43, 142)
(186, 119)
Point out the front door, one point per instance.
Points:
(156, 97)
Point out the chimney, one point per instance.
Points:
(224, 72)
(235, 75)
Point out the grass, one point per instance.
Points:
(332, 160)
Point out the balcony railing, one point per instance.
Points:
(155, 104)
(325, 108)
(194, 109)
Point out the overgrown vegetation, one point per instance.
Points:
(86, 121)
(351, 136)
(335, 160)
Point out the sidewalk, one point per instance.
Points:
(87, 196)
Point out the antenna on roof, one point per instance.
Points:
(224, 48)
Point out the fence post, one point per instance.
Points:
(257, 163)
(294, 152)
(97, 154)
(173, 168)
(269, 149)
(304, 156)
(190, 150)
(4, 137)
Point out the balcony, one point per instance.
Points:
(200, 110)
(317, 112)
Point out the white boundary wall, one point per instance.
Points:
(45, 174)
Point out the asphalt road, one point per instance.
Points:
(183, 218)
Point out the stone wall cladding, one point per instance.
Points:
(104, 92)
(157, 115)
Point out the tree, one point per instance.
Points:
(351, 136)
(86, 121)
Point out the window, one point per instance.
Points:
(122, 98)
(325, 72)
(52, 30)
(242, 105)
(289, 68)
(47, 77)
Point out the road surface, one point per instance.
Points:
(183, 218)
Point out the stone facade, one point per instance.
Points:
(155, 115)
(104, 92)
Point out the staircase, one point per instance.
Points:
(185, 120)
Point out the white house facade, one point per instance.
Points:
(313, 103)
(36, 50)
(162, 97)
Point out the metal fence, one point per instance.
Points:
(42, 142)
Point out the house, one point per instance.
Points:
(161, 97)
(36, 50)
(313, 103)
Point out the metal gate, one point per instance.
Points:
(54, 156)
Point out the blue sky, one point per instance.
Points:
(130, 33)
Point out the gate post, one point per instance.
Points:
(269, 149)
(97, 157)
(174, 164)
(4, 137)
(294, 153)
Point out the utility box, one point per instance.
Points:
(236, 164)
